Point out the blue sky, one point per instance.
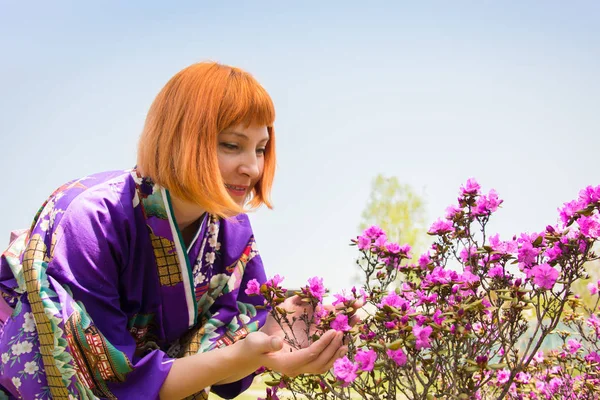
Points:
(431, 92)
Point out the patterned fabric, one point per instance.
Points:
(104, 293)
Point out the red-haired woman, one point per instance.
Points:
(131, 284)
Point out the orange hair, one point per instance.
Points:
(178, 146)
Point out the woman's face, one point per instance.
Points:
(241, 152)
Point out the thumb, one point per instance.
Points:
(261, 343)
(275, 343)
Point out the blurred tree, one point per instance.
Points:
(399, 210)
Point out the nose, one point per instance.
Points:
(250, 166)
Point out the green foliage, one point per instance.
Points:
(399, 210)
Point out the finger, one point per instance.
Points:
(355, 319)
(326, 358)
(343, 350)
(262, 343)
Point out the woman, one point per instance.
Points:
(124, 273)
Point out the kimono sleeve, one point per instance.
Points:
(248, 316)
(93, 245)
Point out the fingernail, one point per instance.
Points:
(343, 353)
(274, 343)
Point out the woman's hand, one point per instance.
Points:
(318, 358)
(298, 332)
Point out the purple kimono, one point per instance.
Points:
(102, 294)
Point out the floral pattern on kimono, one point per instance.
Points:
(102, 288)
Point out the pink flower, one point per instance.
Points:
(470, 188)
(345, 370)
(527, 253)
(316, 288)
(438, 318)
(468, 277)
(589, 195)
(502, 376)
(593, 357)
(440, 227)
(504, 247)
(468, 252)
(405, 250)
(539, 357)
(275, 281)
(253, 288)
(393, 248)
(397, 356)
(366, 359)
(381, 241)
(589, 226)
(553, 252)
(452, 211)
(523, 377)
(573, 346)
(320, 314)
(496, 272)
(393, 300)
(569, 210)
(374, 232)
(544, 276)
(341, 298)
(486, 205)
(424, 260)
(363, 242)
(593, 288)
(422, 334)
(594, 322)
(555, 384)
(340, 323)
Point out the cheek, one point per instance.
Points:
(226, 164)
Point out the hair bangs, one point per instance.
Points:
(245, 102)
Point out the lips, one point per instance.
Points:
(236, 190)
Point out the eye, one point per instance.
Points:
(229, 146)
(261, 152)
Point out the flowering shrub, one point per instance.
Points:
(470, 320)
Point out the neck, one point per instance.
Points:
(186, 213)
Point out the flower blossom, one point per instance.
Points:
(472, 187)
(589, 226)
(424, 260)
(316, 288)
(275, 281)
(486, 205)
(366, 359)
(440, 227)
(589, 195)
(345, 370)
(253, 288)
(496, 272)
(422, 336)
(502, 376)
(569, 209)
(397, 356)
(573, 345)
(363, 242)
(340, 323)
(544, 276)
(393, 300)
(373, 232)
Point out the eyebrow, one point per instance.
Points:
(243, 135)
